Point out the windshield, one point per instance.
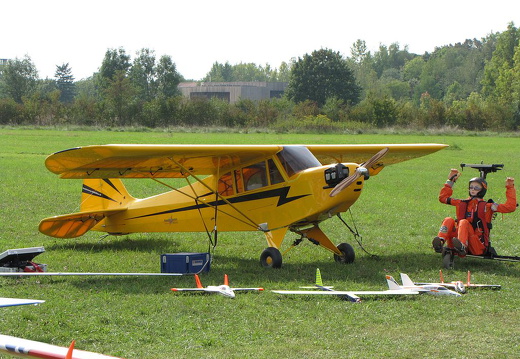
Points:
(297, 158)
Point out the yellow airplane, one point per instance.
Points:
(267, 188)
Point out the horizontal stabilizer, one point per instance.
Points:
(75, 224)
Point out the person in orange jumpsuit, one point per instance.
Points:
(469, 232)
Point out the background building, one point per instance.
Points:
(233, 91)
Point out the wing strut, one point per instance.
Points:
(254, 224)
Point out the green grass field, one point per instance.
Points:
(397, 215)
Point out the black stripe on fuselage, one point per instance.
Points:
(281, 193)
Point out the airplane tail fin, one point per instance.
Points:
(71, 349)
(392, 284)
(226, 280)
(407, 282)
(99, 199)
(469, 278)
(197, 281)
(441, 276)
(100, 194)
(319, 281)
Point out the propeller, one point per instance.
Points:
(360, 171)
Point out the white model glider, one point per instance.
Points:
(460, 286)
(11, 302)
(428, 288)
(223, 289)
(31, 349)
(350, 295)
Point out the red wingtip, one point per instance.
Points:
(226, 280)
(71, 349)
(175, 289)
(197, 280)
(260, 289)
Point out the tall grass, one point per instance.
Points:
(138, 317)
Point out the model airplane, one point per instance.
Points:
(11, 302)
(223, 289)
(350, 295)
(428, 288)
(32, 349)
(266, 188)
(460, 286)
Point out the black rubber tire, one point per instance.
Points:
(348, 254)
(271, 258)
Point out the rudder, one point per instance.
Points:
(101, 194)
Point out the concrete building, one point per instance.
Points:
(233, 91)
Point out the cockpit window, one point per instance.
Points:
(297, 158)
(254, 176)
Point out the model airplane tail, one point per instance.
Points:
(392, 284)
(407, 282)
(99, 198)
(319, 281)
(198, 282)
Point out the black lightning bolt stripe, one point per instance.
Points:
(93, 192)
(281, 193)
(109, 182)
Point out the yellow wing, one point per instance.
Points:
(328, 154)
(158, 161)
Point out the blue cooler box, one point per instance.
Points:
(185, 263)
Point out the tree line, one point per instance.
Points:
(472, 85)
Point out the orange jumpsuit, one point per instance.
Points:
(462, 228)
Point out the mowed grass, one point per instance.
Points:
(397, 215)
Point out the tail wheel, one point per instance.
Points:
(271, 258)
(348, 253)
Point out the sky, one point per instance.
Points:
(196, 34)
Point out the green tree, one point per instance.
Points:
(19, 78)
(142, 74)
(65, 83)
(114, 62)
(167, 77)
(497, 80)
(320, 75)
(119, 94)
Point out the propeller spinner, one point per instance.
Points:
(360, 171)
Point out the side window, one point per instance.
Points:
(225, 185)
(274, 174)
(255, 176)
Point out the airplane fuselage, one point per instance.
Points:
(300, 201)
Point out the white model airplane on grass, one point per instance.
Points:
(10, 302)
(223, 289)
(428, 288)
(31, 349)
(351, 295)
(460, 286)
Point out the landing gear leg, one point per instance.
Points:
(448, 258)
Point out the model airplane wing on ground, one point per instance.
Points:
(32, 349)
(223, 289)
(267, 188)
(11, 302)
(352, 296)
(460, 286)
